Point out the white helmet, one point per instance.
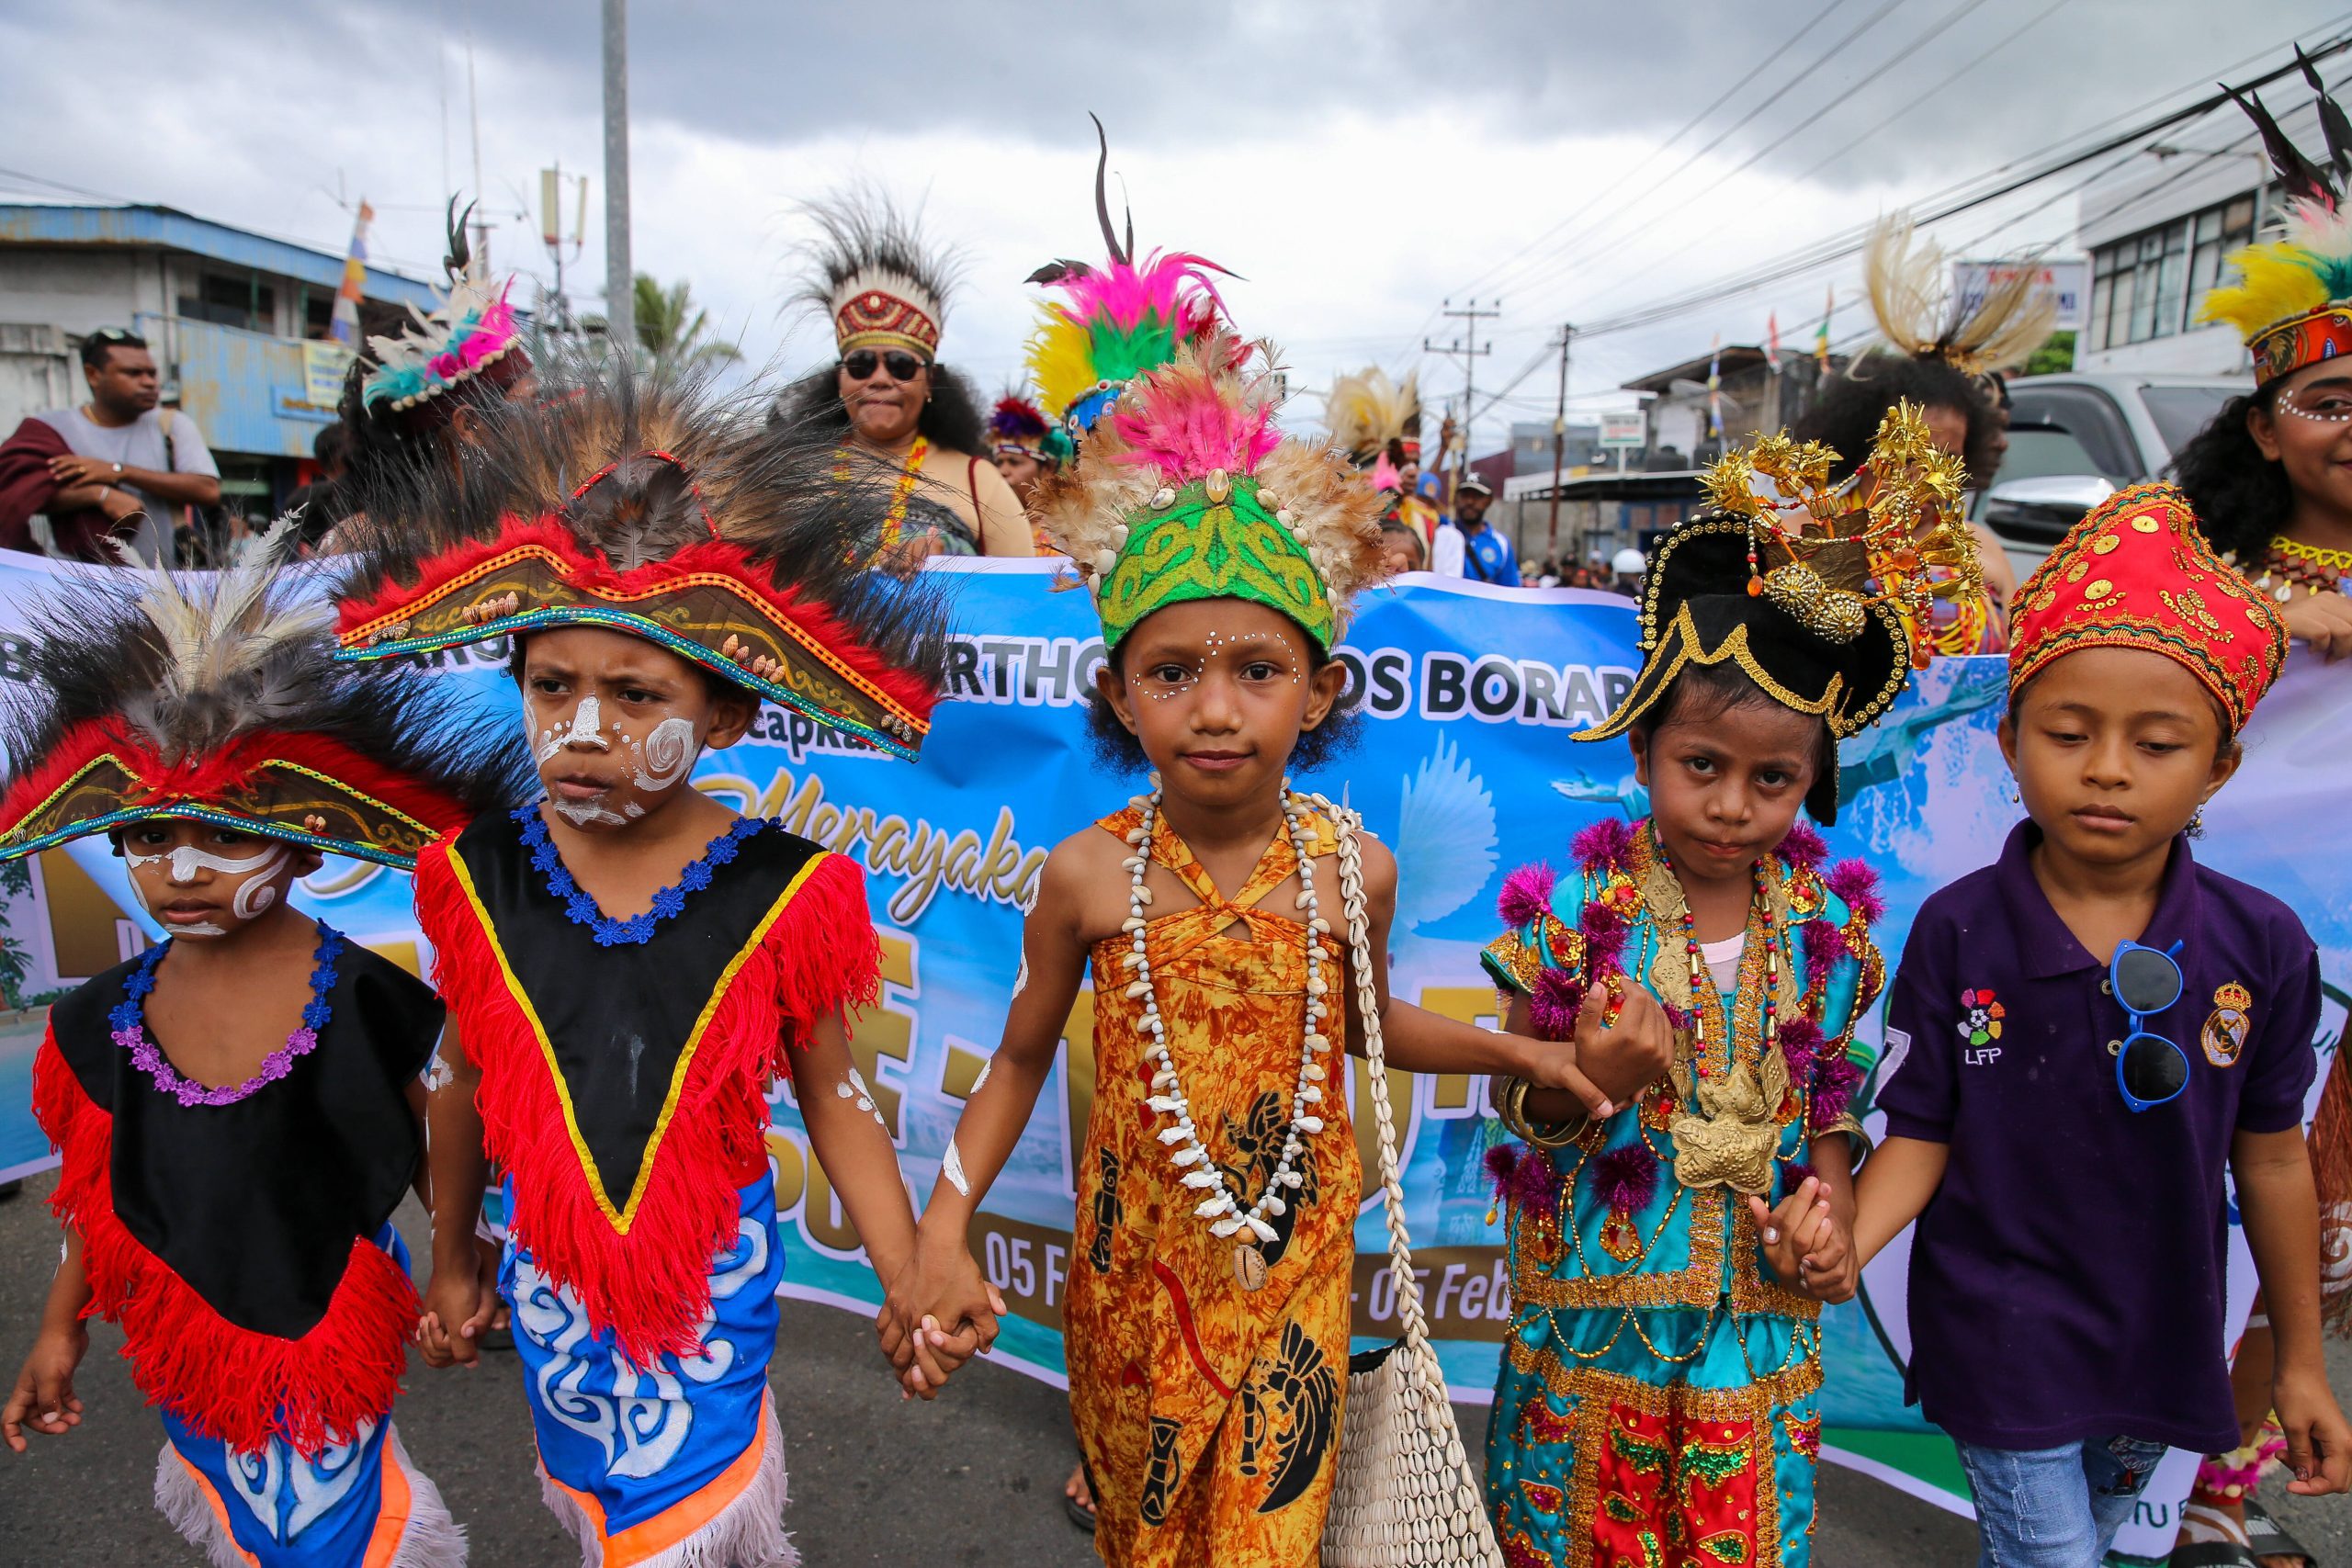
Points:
(1629, 562)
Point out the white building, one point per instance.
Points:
(2157, 228)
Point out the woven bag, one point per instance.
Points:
(1403, 1495)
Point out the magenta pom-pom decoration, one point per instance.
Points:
(1501, 1161)
(1796, 1174)
(1533, 1187)
(1801, 1042)
(1552, 1004)
(1526, 897)
(1835, 1079)
(1602, 844)
(1625, 1179)
(1604, 937)
(1856, 883)
(1676, 1018)
(1804, 846)
(1824, 944)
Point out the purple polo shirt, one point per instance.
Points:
(2067, 1279)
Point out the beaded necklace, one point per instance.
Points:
(1222, 1208)
(902, 490)
(1700, 978)
(129, 1022)
(2290, 564)
(580, 905)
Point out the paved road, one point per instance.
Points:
(973, 1478)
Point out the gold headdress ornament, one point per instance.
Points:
(1912, 299)
(1827, 553)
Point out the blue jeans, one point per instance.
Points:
(2056, 1507)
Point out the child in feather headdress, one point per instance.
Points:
(1207, 1315)
(239, 1106)
(630, 964)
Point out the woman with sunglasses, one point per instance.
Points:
(2058, 1119)
(906, 420)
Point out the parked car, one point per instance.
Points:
(2076, 438)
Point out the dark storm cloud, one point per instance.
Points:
(1217, 73)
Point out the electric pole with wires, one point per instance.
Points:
(1559, 444)
(1469, 350)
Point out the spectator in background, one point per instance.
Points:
(1401, 549)
(119, 464)
(318, 503)
(1626, 570)
(1486, 555)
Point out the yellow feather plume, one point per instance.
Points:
(1060, 361)
(2275, 283)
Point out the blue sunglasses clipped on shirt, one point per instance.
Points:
(2149, 1069)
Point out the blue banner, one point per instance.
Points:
(1465, 768)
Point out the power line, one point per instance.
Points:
(1656, 153)
(1851, 241)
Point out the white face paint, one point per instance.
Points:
(584, 731)
(667, 753)
(581, 813)
(254, 898)
(951, 1165)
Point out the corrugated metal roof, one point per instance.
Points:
(165, 227)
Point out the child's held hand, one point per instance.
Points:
(939, 1311)
(457, 1309)
(1801, 1240)
(43, 1400)
(1626, 1057)
(2319, 1441)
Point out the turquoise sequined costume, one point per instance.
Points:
(1656, 1398)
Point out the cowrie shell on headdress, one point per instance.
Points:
(1286, 517)
(1104, 561)
(1220, 484)
(1163, 498)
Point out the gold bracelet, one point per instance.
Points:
(1512, 1110)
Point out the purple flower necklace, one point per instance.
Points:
(129, 1020)
(580, 905)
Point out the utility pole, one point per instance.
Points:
(1469, 352)
(1559, 445)
(620, 279)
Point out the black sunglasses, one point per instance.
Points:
(2149, 1069)
(861, 364)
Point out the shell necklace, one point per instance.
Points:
(1222, 1208)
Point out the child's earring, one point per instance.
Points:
(2010, 790)
(2195, 828)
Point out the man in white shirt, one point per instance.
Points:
(122, 444)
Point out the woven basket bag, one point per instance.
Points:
(1403, 1495)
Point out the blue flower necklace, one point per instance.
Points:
(667, 904)
(129, 1022)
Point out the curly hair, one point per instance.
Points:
(1118, 750)
(2240, 497)
(1846, 416)
(951, 416)
(382, 445)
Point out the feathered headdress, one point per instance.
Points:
(216, 700)
(636, 501)
(2293, 302)
(472, 333)
(1918, 314)
(1018, 425)
(876, 276)
(1115, 321)
(1186, 490)
(1369, 409)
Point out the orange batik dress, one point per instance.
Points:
(1208, 1413)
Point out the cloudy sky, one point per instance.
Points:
(1358, 163)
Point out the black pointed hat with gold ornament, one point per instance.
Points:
(1817, 592)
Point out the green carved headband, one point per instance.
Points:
(1214, 538)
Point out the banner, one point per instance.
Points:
(1464, 767)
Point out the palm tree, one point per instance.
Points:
(673, 330)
